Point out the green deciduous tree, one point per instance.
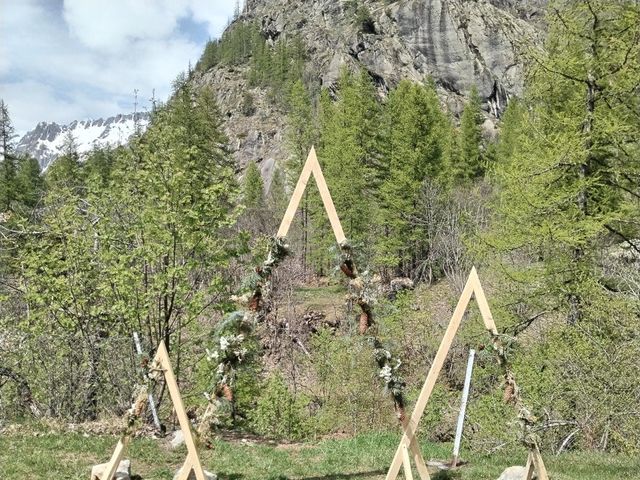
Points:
(568, 199)
(136, 241)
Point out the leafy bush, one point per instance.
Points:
(278, 412)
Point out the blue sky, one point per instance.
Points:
(65, 60)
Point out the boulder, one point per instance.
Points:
(514, 473)
(178, 439)
(401, 283)
(122, 473)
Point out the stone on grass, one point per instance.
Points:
(123, 472)
(514, 473)
(192, 475)
(178, 439)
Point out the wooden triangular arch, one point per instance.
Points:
(409, 441)
(312, 166)
(162, 364)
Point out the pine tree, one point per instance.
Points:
(29, 181)
(66, 170)
(253, 188)
(7, 159)
(349, 153)
(413, 151)
(471, 163)
(277, 200)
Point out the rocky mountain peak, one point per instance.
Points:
(46, 141)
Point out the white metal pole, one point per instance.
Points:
(152, 403)
(463, 407)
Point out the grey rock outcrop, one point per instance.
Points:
(178, 439)
(459, 44)
(123, 472)
(514, 473)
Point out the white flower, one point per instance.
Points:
(224, 343)
(386, 373)
(212, 356)
(220, 368)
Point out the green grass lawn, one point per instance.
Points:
(71, 455)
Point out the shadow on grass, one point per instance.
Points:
(339, 476)
(329, 476)
(446, 475)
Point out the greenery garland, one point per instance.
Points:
(362, 293)
(238, 327)
(501, 346)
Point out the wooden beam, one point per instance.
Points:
(538, 463)
(161, 362)
(406, 463)
(301, 186)
(432, 376)
(326, 200)
(312, 166)
(481, 300)
(111, 467)
(529, 469)
(193, 460)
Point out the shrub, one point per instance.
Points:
(278, 412)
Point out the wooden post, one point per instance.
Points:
(161, 363)
(193, 460)
(432, 376)
(312, 166)
(406, 463)
(472, 287)
(463, 408)
(112, 466)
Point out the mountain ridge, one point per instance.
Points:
(46, 141)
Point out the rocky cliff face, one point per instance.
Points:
(457, 43)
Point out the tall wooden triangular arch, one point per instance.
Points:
(312, 166)
(162, 364)
(410, 425)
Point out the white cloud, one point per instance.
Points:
(85, 58)
(30, 101)
(112, 26)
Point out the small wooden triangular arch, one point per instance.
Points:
(312, 166)
(410, 425)
(162, 364)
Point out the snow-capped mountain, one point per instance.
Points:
(46, 141)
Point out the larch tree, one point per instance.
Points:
(469, 165)
(8, 165)
(413, 151)
(301, 133)
(349, 154)
(568, 196)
